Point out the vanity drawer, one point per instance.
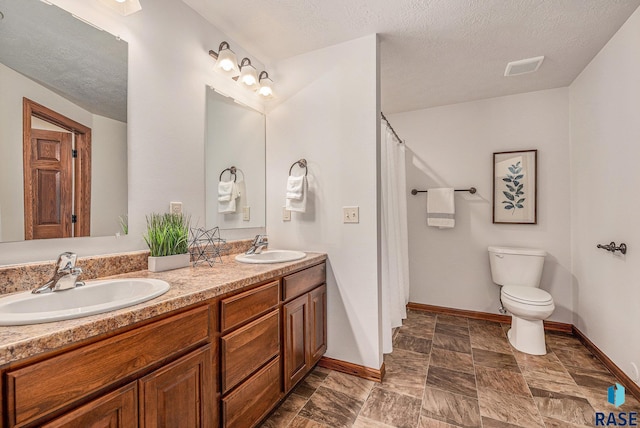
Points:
(242, 307)
(248, 404)
(248, 348)
(303, 281)
(40, 388)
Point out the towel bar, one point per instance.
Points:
(471, 190)
(612, 247)
(302, 163)
(232, 171)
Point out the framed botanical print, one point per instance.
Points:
(515, 189)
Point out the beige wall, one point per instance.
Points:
(326, 112)
(605, 148)
(452, 146)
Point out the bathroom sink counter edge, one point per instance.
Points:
(189, 286)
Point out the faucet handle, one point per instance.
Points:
(66, 260)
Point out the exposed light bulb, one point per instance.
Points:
(121, 1)
(226, 65)
(265, 91)
(249, 80)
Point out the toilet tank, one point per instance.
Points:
(516, 266)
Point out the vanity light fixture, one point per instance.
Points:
(123, 7)
(226, 61)
(245, 74)
(266, 85)
(248, 74)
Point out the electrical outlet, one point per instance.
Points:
(246, 213)
(286, 214)
(175, 207)
(351, 214)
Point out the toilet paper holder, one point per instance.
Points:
(612, 247)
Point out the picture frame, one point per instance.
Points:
(515, 187)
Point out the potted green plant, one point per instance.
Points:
(168, 240)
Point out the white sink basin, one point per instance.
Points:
(271, 256)
(93, 298)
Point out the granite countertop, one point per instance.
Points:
(188, 286)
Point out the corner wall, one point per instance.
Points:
(605, 106)
(327, 113)
(453, 146)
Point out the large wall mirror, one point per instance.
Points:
(63, 125)
(234, 156)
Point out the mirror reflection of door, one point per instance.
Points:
(57, 171)
(47, 180)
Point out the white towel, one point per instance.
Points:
(441, 208)
(296, 194)
(295, 187)
(229, 205)
(225, 189)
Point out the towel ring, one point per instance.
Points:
(302, 163)
(232, 171)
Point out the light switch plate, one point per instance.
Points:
(246, 213)
(175, 207)
(351, 214)
(286, 214)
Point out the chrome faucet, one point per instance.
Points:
(65, 275)
(260, 243)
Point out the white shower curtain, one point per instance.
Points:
(395, 251)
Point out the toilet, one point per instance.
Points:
(518, 272)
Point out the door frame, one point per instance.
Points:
(82, 164)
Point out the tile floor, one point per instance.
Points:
(448, 371)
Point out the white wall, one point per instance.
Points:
(169, 68)
(605, 128)
(235, 137)
(109, 156)
(326, 112)
(108, 175)
(452, 146)
(13, 87)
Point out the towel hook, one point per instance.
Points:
(232, 171)
(302, 163)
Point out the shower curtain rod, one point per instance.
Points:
(391, 127)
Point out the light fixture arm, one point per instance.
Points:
(245, 61)
(223, 45)
(263, 74)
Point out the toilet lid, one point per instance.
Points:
(528, 295)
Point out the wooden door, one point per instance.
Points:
(118, 409)
(317, 323)
(48, 185)
(296, 341)
(179, 394)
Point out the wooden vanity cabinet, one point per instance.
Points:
(225, 363)
(250, 355)
(179, 394)
(118, 409)
(153, 356)
(304, 320)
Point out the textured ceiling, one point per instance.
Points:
(433, 52)
(81, 63)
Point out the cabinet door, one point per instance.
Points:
(118, 409)
(179, 394)
(318, 323)
(296, 348)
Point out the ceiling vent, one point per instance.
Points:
(523, 66)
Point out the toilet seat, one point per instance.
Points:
(527, 295)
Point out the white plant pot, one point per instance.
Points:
(159, 264)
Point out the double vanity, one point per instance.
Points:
(221, 348)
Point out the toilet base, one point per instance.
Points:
(527, 336)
